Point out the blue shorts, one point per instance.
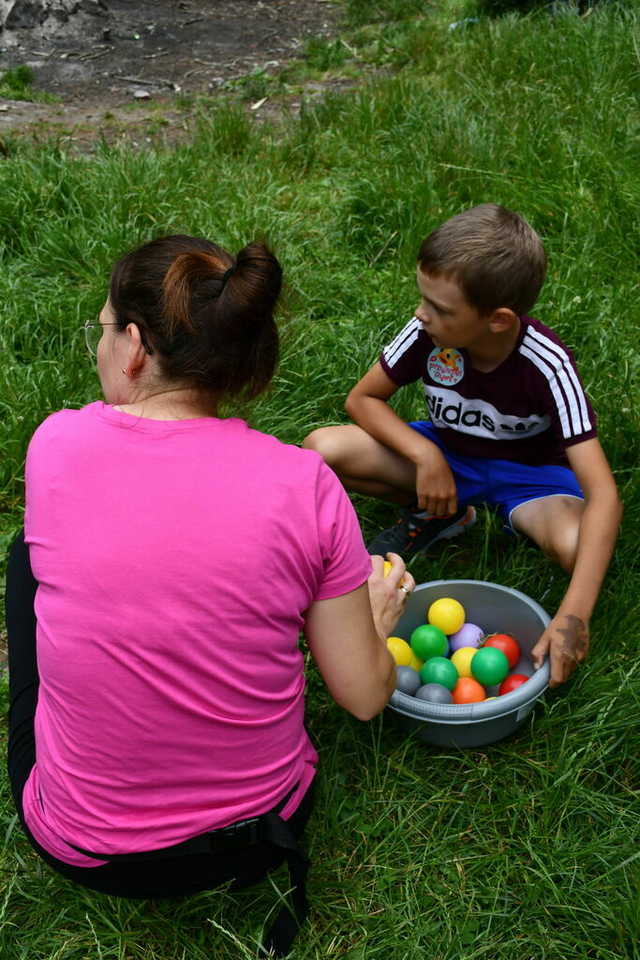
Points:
(502, 483)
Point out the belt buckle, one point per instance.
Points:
(235, 832)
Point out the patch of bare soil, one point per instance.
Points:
(109, 56)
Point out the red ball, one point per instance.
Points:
(468, 690)
(512, 682)
(506, 643)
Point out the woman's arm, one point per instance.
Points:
(347, 638)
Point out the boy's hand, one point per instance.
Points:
(435, 487)
(566, 639)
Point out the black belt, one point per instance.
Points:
(267, 828)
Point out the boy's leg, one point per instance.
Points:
(544, 502)
(553, 522)
(366, 466)
(363, 464)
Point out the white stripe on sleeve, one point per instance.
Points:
(549, 373)
(557, 366)
(569, 367)
(407, 336)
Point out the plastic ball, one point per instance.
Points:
(461, 660)
(400, 651)
(512, 682)
(469, 635)
(489, 666)
(468, 690)
(506, 643)
(427, 641)
(415, 663)
(407, 680)
(387, 568)
(446, 613)
(439, 670)
(434, 693)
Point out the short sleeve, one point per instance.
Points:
(40, 464)
(346, 563)
(564, 399)
(403, 359)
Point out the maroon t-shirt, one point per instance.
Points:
(529, 409)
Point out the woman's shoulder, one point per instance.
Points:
(304, 471)
(63, 422)
(284, 452)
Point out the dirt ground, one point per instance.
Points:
(115, 54)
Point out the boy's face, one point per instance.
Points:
(445, 313)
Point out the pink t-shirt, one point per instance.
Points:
(175, 561)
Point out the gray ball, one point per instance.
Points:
(407, 680)
(434, 693)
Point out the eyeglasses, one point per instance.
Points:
(93, 334)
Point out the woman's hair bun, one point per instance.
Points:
(254, 285)
(188, 273)
(208, 316)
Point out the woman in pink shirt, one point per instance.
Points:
(170, 559)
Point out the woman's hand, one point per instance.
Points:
(566, 640)
(347, 637)
(388, 595)
(435, 487)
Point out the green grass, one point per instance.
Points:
(17, 84)
(526, 850)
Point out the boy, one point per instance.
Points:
(509, 423)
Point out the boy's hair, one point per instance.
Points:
(493, 253)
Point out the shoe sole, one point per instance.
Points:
(455, 529)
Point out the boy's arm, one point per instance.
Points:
(567, 636)
(368, 407)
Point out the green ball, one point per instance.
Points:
(489, 666)
(440, 670)
(427, 641)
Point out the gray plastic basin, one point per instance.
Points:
(497, 610)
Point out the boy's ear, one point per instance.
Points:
(502, 320)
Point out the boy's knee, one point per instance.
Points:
(563, 550)
(562, 543)
(324, 442)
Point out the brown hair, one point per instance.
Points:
(208, 315)
(493, 253)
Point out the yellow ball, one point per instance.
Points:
(416, 662)
(400, 651)
(447, 614)
(461, 660)
(387, 567)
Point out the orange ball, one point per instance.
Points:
(468, 690)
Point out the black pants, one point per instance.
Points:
(174, 876)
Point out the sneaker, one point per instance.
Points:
(413, 534)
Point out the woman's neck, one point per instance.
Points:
(176, 404)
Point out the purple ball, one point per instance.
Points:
(469, 635)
